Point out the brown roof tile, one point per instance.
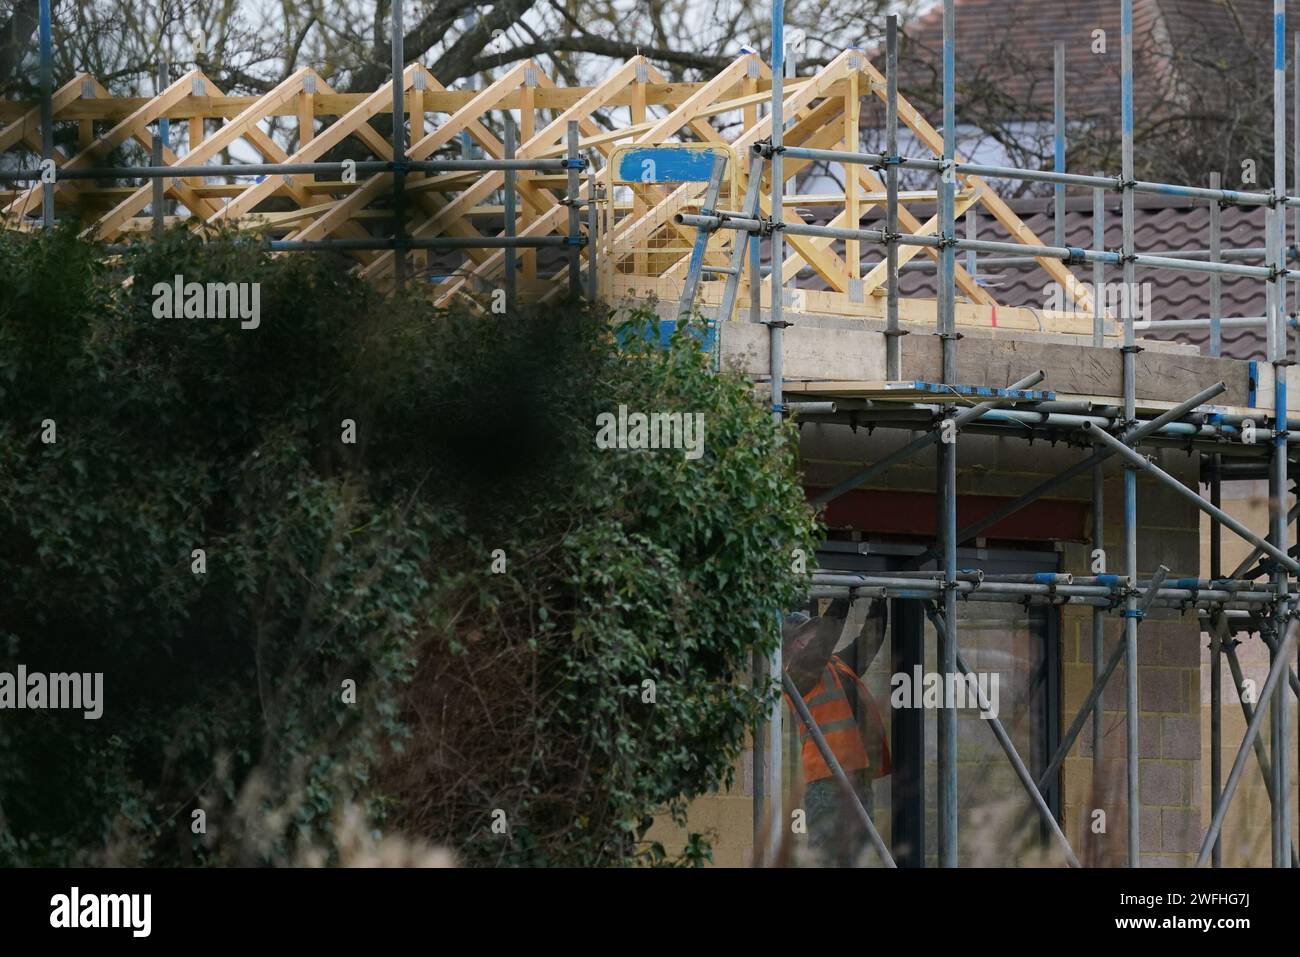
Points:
(1162, 225)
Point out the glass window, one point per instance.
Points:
(883, 660)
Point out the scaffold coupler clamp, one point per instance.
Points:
(887, 160)
(1076, 256)
(576, 162)
(402, 166)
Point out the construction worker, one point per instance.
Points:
(848, 719)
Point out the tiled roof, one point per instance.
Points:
(1178, 44)
(1162, 225)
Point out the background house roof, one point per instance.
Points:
(1008, 44)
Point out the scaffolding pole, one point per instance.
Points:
(893, 351)
(1129, 351)
(1216, 653)
(398, 51)
(1098, 618)
(1280, 817)
(508, 199)
(47, 107)
(772, 772)
(947, 477)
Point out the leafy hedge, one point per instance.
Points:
(480, 690)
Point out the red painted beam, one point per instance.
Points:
(895, 512)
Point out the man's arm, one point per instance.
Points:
(808, 656)
(872, 635)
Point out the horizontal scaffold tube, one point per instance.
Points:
(1025, 588)
(923, 417)
(1066, 254)
(1251, 609)
(360, 167)
(434, 242)
(1246, 252)
(1113, 183)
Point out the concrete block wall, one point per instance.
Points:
(1247, 828)
(1168, 694)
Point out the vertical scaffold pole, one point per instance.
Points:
(1295, 174)
(762, 740)
(509, 217)
(1129, 298)
(760, 761)
(776, 322)
(947, 202)
(47, 107)
(1098, 483)
(893, 357)
(948, 856)
(1058, 151)
(575, 261)
(1277, 491)
(593, 285)
(972, 234)
(1216, 655)
(1216, 284)
(156, 156)
(397, 43)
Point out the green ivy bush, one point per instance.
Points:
(484, 693)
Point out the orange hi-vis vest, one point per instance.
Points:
(858, 742)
